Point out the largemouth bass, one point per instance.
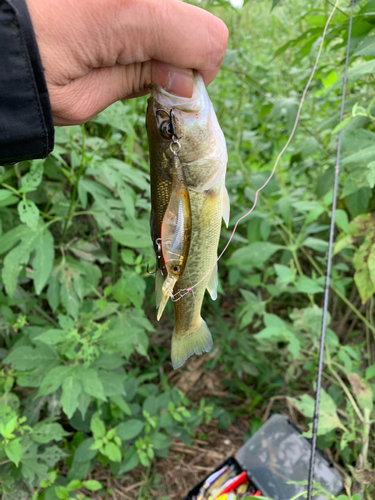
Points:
(194, 200)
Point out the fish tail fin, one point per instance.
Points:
(196, 342)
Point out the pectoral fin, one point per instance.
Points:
(226, 206)
(212, 283)
(167, 290)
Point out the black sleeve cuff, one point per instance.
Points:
(26, 124)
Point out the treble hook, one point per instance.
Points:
(158, 255)
(172, 120)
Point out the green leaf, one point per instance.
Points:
(97, 426)
(342, 220)
(54, 379)
(362, 391)
(33, 178)
(370, 174)
(131, 460)
(62, 492)
(304, 284)
(328, 420)
(44, 432)
(362, 261)
(366, 47)
(4, 194)
(13, 450)
(112, 452)
(27, 357)
(91, 383)
(129, 429)
(316, 244)
(43, 260)
(362, 156)
(9, 239)
(159, 441)
(121, 403)
(71, 390)
(92, 485)
(360, 69)
(29, 213)
(255, 254)
(53, 336)
(84, 452)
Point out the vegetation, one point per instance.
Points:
(88, 398)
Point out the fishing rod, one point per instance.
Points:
(328, 273)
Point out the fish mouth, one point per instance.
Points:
(167, 290)
(169, 100)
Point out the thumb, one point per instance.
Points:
(83, 98)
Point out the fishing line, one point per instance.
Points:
(328, 275)
(187, 290)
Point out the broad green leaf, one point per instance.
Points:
(9, 239)
(112, 452)
(45, 432)
(121, 403)
(366, 47)
(316, 244)
(365, 155)
(342, 220)
(84, 452)
(159, 441)
(92, 485)
(362, 276)
(328, 420)
(54, 379)
(304, 284)
(43, 260)
(357, 202)
(97, 426)
(342, 124)
(13, 450)
(4, 194)
(129, 429)
(27, 357)
(33, 178)
(255, 254)
(370, 174)
(51, 455)
(91, 383)
(362, 391)
(29, 213)
(52, 337)
(360, 69)
(71, 389)
(131, 460)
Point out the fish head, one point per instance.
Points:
(194, 123)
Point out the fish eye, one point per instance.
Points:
(166, 130)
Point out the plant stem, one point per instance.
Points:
(75, 188)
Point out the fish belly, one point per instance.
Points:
(191, 334)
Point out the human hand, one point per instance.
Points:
(95, 52)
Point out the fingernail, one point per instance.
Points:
(175, 80)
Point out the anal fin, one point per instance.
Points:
(226, 206)
(212, 283)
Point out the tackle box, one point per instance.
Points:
(275, 456)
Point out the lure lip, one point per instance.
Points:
(167, 290)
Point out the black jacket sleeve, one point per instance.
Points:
(26, 124)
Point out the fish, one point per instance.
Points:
(185, 131)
